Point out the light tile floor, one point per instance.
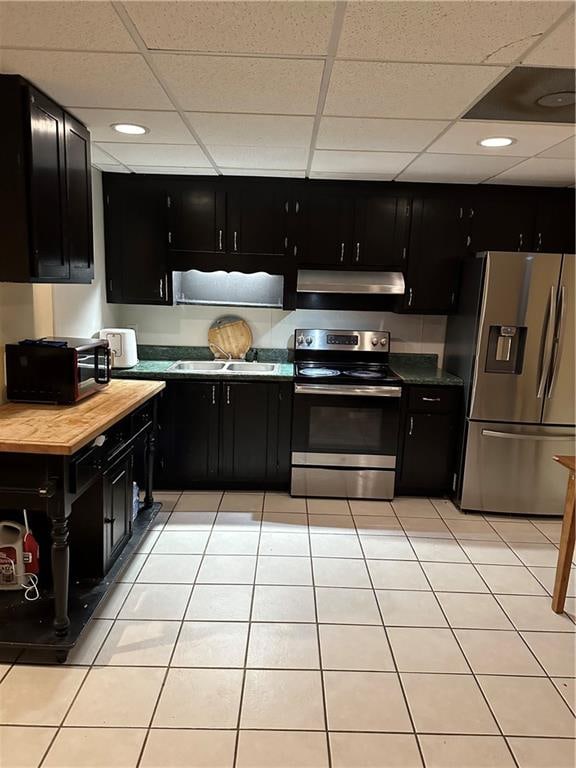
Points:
(258, 631)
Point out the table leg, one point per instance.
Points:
(566, 550)
(150, 453)
(60, 564)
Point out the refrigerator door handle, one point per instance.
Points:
(517, 436)
(559, 330)
(548, 345)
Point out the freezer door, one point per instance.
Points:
(509, 468)
(519, 297)
(559, 399)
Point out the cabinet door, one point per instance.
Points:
(258, 215)
(245, 431)
(555, 222)
(427, 461)
(197, 213)
(47, 188)
(279, 434)
(328, 218)
(382, 228)
(136, 240)
(78, 201)
(189, 434)
(497, 220)
(436, 249)
(117, 508)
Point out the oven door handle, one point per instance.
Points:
(329, 389)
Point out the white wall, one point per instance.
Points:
(81, 310)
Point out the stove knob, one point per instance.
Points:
(374, 342)
(308, 340)
(382, 342)
(300, 340)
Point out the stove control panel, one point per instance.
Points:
(352, 341)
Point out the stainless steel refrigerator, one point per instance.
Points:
(512, 342)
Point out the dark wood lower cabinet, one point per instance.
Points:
(117, 493)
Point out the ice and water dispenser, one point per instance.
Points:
(505, 353)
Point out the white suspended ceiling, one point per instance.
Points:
(360, 89)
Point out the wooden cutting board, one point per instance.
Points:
(230, 336)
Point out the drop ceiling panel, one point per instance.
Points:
(112, 80)
(540, 172)
(78, 26)
(474, 32)
(563, 150)
(385, 163)
(99, 156)
(172, 170)
(242, 84)
(274, 172)
(252, 130)
(463, 169)
(557, 49)
(112, 168)
(376, 134)
(289, 158)
(164, 127)
(372, 89)
(463, 137)
(156, 154)
(235, 27)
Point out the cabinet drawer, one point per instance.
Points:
(433, 399)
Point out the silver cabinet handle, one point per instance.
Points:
(235, 240)
(539, 246)
(411, 428)
(213, 394)
(404, 252)
(558, 331)
(170, 238)
(472, 213)
(295, 250)
(357, 252)
(548, 345)
(286, 206)
(410, 296)
(521, 240)
(297, 206)
(286, 242)
(341, 251)
(432, 399)
(219, 239)
(228, 394)
(514, 436)
(161, 287)
(468, 241)
(328, 389)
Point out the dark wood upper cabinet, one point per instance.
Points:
(328, 226)
(555, 226)
(44, 189)
(197, 216)
(499, 220)
(381, 230)
(258, 214)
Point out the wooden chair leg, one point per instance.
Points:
(566, 550)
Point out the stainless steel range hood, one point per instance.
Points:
(347, 283)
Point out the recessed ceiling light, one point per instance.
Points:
(131, 128)
(496, 141)
(560, 99)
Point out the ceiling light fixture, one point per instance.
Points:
(496, 141)
(555, 100)
(131, 128)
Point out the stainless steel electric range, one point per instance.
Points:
(346, 412)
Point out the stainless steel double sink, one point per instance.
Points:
(224, 366)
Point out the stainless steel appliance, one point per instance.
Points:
(345, 418)
(512, 341)
(56, 370)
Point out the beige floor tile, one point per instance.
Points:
(335, 545)
(283, 604)
(284, 522)
(160, 521)
(220, 602)
(534, 613)
(181, 543)
(346, 606)
(446, 509)
(340, 572)
(120, 697)
(473, 611)
(438, 550)
(366, 750)
(131, 570)
(466, 752)
(552, 531)
(527, 706)
(387, 548)
(227, 569)
(544, 753)
(242, 502)
(566, 687)
(148, 541)
(110, 606)
(139, 644)
(282, 699)
(269, 749)
(169, 569)
(510, 580)
(379, 526)
(283, 646)
(365, 507)
(156, 601)
(331, 524)
(22, 747)
(199, 501)
(519, 532)
(284, 544)
(365, 701)
(414, 507)
(168, 499)
(284, 570)
(4, 670)
(396, 574)
(211, 644)
(545, 555)
(418, 649)
(454, 577)
(407, 609)
(355, 648)
(472, 529)
(96, 748)
(556, 651)
(497, 652)
(447, 704)
(490, 552)
(546, 577)
(418, 527)
(199, 698)
(32, 695)
(238, 521)
(328, 507)
(190, 521)
(283, 502)
(188, 749)
(90, 642)
(233, 543)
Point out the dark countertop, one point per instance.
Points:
(425, 376)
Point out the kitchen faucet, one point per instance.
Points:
(227, 354)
